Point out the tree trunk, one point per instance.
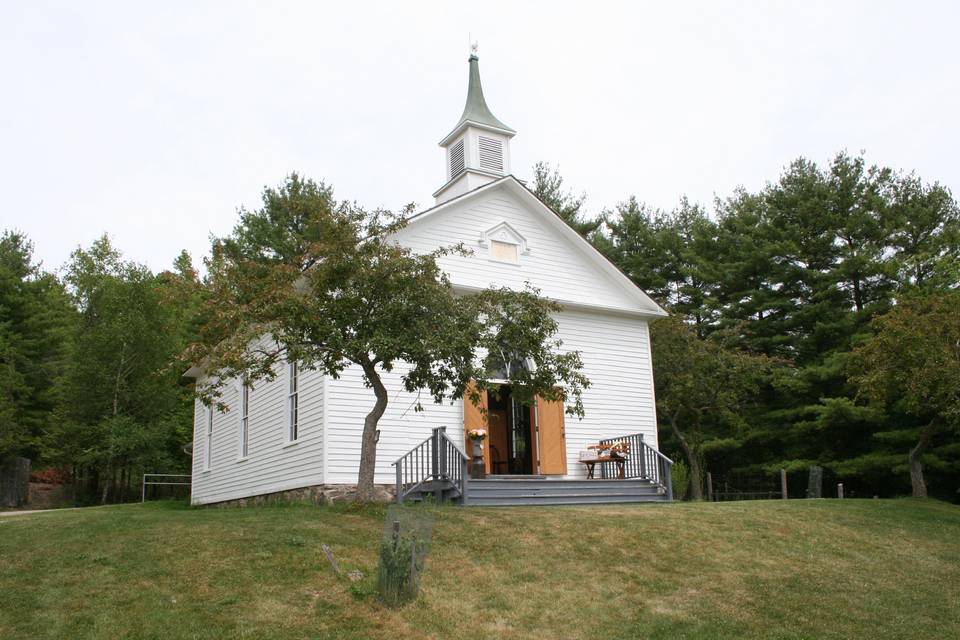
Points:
(106, 487)
(916, 464)
(368, 442)
(696, 470)
(857, 294)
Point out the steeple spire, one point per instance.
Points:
(476, 109)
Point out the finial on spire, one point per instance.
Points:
(473, 49)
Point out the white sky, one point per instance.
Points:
(154, 121)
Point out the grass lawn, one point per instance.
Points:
(799, 569)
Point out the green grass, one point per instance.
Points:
(799, 569)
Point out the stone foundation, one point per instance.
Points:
(317, 494)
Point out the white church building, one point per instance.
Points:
(533, 453)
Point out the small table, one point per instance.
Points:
(591, 465)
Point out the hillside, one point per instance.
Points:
(798, 569)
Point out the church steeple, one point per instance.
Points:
(476, 109)
(478, 147)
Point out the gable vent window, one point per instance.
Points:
(456, 159)
(491, 154)
(505, 252)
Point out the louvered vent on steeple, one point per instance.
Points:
(477, 150)
(491, 154)
(457, 160)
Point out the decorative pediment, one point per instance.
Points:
(504, 233)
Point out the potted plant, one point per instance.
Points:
(477, 436)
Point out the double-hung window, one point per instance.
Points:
(293, 409)
(208, 441)
(244, 420)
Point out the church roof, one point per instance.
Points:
(476, 109)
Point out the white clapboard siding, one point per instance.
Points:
(552, 263)
(272, 464)
(401, 427)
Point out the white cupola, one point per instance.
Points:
(477, 151)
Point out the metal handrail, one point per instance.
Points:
(644, 462)
(438, 460)
(144, 483)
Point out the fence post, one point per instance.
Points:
(400, 480)
(840, 490)
(783, 484)
(815, 483)
(709, 486)
(669, 479)
(143, 488)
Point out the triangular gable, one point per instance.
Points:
(639, 302)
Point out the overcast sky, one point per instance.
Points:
(155, 121)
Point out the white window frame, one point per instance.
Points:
(293, 404)
(244, 433)
(208, 440)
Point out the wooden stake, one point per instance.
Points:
(840, 491)
(709, 486)
(783, 484)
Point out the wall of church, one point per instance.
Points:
(272, 462)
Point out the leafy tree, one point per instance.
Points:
(548, 186)
(911, 365)
(123, 408)
(701, 388)
(35, 317)
(328, 287)
(663, 253)
(924, 227)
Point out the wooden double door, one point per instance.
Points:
(521, 439)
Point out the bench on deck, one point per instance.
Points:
(615, 453)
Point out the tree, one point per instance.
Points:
(35, 319)
(664, 253)
(548, 186)
(322, 283)
(701, 386)
(924, 228)
(123, 409)
(912, 365)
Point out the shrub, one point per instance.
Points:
(681, 480)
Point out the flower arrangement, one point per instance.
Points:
(477, 435)
(619, 449)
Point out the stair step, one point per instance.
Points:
(561, 494)
(505, 502)
(481, 485)
(527, 492)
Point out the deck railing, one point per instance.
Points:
(643, 461)
(435, 465)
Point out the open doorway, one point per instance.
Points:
(512, 434)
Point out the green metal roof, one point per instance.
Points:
(476, 109)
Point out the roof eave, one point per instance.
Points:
(482, 172)
(463, 124)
